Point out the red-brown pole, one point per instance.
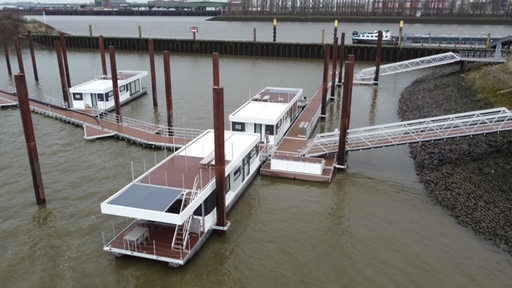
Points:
(153, 72)
(115, 85)
(18, 54)
(65, 58)
(378, 57)
(216, 72)
(30, 139)
(220, 161)
(352, 59)
(168, 88)
(341, 57)
(324, 81)
(6, 51)
(65, 96)
(33, 55)
(102, 54)
(334, 63)
(341, 157)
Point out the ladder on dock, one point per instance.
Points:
(415, 131)
(181, 235)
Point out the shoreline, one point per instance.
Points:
(468, 177)
(368, 19)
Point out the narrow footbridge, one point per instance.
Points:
(415, 131)
(366, 75)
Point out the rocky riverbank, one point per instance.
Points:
(469, 177)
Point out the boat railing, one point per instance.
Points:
(165, 131)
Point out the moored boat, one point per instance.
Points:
(371, 37)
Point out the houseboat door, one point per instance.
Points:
(257, 130)
(94, 100)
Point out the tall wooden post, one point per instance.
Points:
(274, 34)
(254, 34)
(65, 58)
(324, 81)
(6, 51)
(64, 87)
(153, 72)
(334, 63)
(220, 160)
(115, 84)
(101, 42)
(341, 57)
(341, 157)
(378, 57)
(400, 31)
(168, 89)
(33, 55)
(17, 45)
(30, 139)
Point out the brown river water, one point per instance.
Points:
(373, 226)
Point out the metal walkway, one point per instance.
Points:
(422, 130)
(366, 75)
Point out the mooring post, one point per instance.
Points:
(30, 139)
(488, 41)
(335, 28)
(65, 57)
(6, 51)
(101, 42)
(341, 157)
(400, 31)
(33, 55)
(351, 58)
(90, 30)
(140, 32)
(220, 161)
(254, 34)
(378, 56)
(153, 72)
(341, 57)
(17, 45)
(64, 87)
(168, 88)
(115, 84)
(324, 80)
(274, 30)
(323, 36)
(334, 63)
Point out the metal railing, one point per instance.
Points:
(429, 129)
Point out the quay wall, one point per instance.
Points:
(243, 48)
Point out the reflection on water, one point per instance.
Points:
(371, 227)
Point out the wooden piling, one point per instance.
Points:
(17, 45)
(101, 42)
(33, 55)
(254, 34)
(216, 71)
(341, 157)
(378, 56)
(115, 84)
(65, 58)
(6, 51)
(274, 33)
(324, 80)
(64, 87)
(341, 57)
(153, 73)
(220, 161)
(168, 88)
(140, 32)
(352, 59)
(334, 63)
(90, 30)
(30, 139)
(400, 31)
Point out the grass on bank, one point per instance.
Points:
(493, 83)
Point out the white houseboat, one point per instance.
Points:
(173, 204)
(371, 37)
(269, 113)
(99, 93)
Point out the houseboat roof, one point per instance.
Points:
(267, 107)
(151, 195)
(103, 83)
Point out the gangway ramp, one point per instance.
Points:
(422, 130)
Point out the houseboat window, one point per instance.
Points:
(78, 96)
(238, 126)
(134, 87)
(236, 174)
(269, 129)
(109, 95)
(254, 152)
(122, 88)
(228, 183)
(100, 97)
